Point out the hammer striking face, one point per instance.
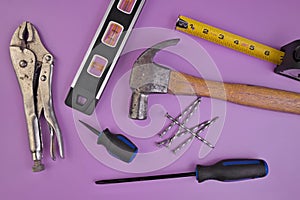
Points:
(148, 77)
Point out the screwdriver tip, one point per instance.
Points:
(99, 182)
(90, 127)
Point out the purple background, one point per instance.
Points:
(67, 27)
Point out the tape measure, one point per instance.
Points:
(229, 40)
(287, 58)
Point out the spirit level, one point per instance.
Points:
(287, 59)
(102, 55)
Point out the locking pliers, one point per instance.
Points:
(33, 66)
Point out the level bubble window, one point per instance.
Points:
(126, 6)
(112, 34)
(97, 66)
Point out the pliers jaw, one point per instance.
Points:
(22, 35)
(33, 65)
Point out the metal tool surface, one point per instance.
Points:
(33, 65)
(188, 111)
(181, 121)
(195, 131)
(190, 131)
(148, 77)
(204, 125)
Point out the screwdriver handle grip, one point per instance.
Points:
(232, 170)
(118, 145)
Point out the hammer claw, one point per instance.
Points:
(148, 55)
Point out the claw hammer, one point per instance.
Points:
(148, 77)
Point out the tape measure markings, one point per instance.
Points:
(229, 40)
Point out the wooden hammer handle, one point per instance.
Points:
(249, 95)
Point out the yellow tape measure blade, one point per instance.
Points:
(229, 40)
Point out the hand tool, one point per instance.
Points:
(116, 145)
(189, 109)
(148, 77)
(287, 58)
(225, 170)
(103, 54)
(190, 131)
(33, 65)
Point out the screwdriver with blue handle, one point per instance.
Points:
(225, 170)
(117, 145)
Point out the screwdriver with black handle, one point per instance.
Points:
(226, 170)
(117, 145)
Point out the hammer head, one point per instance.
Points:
(148, 77)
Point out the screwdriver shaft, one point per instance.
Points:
(146, 178)
(91, 128)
